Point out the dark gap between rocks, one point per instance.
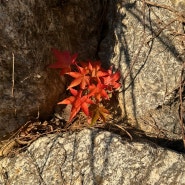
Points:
(140, 136)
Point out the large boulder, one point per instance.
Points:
(29, 29)
(143, 40)
(146, 43)
(93, 157)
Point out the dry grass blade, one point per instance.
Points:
(122, 128)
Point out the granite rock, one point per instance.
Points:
(93, 157)
(145, 42)
(29, 29)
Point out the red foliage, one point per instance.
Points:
(111, 80)
(78, 103)
(64, 61)
(92, 84)
(98, 91)
(80, 78)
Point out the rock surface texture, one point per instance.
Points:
(29, 29)
(92, 157)
(143, 39)
(148, 47)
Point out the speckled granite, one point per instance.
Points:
(93, 157)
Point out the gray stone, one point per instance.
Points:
(149, 97)
(144, 45)
(112, 29)
(93, 157)
(29, 29)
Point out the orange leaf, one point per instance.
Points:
(81, 78)
(78, 103)
(98, 91)
(96, 70)
(111, 81)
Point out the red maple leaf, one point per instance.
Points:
(64, 61)
(78, 103)
(96, 70)
(111, 81)
(81, 78)
(98, 91)
(94, 84)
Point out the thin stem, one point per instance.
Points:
(13, 70)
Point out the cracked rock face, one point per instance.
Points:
(92, 157)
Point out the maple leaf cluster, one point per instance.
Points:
(90, 85)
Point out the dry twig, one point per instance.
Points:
(122, 128)
(181, 108)
(180, 16)
(13, 70)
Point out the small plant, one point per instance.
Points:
(89, 86)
